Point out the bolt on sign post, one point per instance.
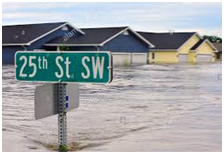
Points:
(61, 68)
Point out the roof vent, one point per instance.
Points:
(171, 32)
(16, 37)
(23, 32)
(65, 28)
(126, 33)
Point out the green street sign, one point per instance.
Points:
(49, 66)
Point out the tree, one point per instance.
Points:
(213, 39)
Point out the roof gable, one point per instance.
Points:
(202, 41)
(96, 37)
(29, 33)
(167, 41)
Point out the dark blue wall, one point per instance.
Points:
(8, 54)
(125, 43)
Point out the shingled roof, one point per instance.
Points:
(26, 34)
(167, 40)
(95, 36)
(218, 46)
(92, 36)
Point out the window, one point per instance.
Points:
(153, 55)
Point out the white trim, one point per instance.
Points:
(29, 43)
(49, 32)
(72, 44)
(120, 53)
(216, 50)
(142, 38)
(138, 53)
(110, 67)
(189, 39)
(78, 29)
(114, 36)
(16, 44)
(128, 28)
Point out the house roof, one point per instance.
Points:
(95, 36)
(218, 46)
(26, 34)
(165, 41)
(92, 36)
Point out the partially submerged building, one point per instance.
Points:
(175, 47)
(127, 46)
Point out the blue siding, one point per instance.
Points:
(125, 43)
(8, 54)
(39, 44)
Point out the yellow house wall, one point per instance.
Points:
(205, 48)
(191, 57)
(189, 44)
(163, 57)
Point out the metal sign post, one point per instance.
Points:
(62, 119)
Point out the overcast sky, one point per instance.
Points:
(206, 18)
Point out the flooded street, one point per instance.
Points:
(145, 108)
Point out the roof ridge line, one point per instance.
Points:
(34, 24)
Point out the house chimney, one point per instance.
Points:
(171, 32)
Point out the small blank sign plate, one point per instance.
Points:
(46, 99)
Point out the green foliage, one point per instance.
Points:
(213, 39)
(64, 48)
(63, 148)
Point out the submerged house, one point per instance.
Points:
(127, 46)
(175, 47)
(218, 46)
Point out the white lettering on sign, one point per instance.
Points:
(21, 74)
(31, 64)
(97, 67)
(86, 67)
(67, 63)
(60, 74)
(42, 63)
